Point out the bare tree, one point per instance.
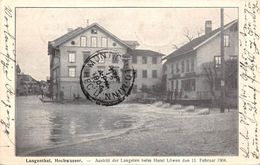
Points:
(212, 75)
(188, 34)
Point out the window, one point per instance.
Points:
(177, 67)
(144, 73)
(93, 31)
(85, 55)
(72, 57)
(83, 41)
(182, 66)
(154, 73)
(226, 40)
(93, 41)
(104, 42)
(217, 61)
(144, 60)
(72, 71)
(114, 44)
(134, 59)
(172, 68)
(192, 65)
(86, 72)
(154, 60)
(188, 85)
(172, 85)
(187, 65)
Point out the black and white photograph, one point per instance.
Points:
(126, 82)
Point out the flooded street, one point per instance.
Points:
(125, 129)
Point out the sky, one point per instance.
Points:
(157, 29)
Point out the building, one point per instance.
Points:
(193, 70)
(68, 53)
(26, 84)
(148, 66)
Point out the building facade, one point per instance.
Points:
(68, 53)
(193, 70)
(148, 67)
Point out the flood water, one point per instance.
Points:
(42, 125)
(53, 129)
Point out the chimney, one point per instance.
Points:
(208, 26)
(70, 29)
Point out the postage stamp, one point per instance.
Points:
(107, 86)
(129, 82)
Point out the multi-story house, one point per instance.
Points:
(68, 53)
(148, 67)
(193, 69)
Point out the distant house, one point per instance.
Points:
(68, 53)
(187, 69)
(26, 84)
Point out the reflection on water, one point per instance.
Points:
(56, 130)
(32, 128)
(40, 125)
(72, 128)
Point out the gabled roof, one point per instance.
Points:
(81, 30)
(66, 37)
(144, 52)
(197, 42)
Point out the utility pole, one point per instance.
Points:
(222, 83)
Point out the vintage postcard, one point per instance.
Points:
(133, 82)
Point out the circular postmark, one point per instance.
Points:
(107, 77)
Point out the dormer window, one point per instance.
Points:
(93, 31)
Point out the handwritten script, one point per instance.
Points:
(249, 85)
(8, 68)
